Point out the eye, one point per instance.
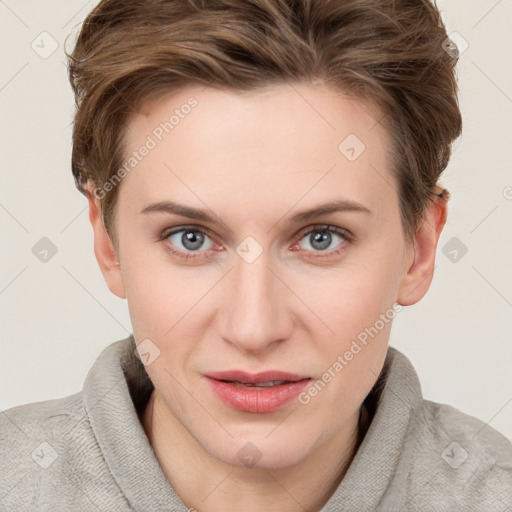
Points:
(322, 239)
(188, 240)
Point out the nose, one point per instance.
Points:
(256, 312)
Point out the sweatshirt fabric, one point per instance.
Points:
(89, 451)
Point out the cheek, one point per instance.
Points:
(167, 303)
(358, 307)
(160, 300)
(153, 291)
(357, 303)
(350, 298)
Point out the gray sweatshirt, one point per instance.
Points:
(89, 451)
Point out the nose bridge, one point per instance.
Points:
(255, 313)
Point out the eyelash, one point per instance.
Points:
(325, 228)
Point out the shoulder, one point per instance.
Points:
(27, 444)
(36, 416)
(48, 453)
(469, 460)
(24, 425)
(478, 440)
(438, 457)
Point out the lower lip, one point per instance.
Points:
(257, 400)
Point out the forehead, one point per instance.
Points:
(283, 140)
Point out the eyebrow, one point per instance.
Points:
(340, 205)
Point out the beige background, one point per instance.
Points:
(57, 316)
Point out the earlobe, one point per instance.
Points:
(418, 276)
(104, 249)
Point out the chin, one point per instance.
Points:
(259, 450)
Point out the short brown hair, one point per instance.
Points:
(393, 52)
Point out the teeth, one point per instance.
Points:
(268, 384)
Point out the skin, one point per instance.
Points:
(253, 160)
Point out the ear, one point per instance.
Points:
(104, 248)
(416, 282)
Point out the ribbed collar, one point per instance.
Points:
(112, 412)
(117, 388)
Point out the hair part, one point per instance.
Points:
(389, 52)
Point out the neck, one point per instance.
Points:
(207, 484)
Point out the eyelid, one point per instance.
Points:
(166, 233)
(326, 227)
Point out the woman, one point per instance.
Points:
(263, 187)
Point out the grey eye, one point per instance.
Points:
(190, 239)
(321, 239)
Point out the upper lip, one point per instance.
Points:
(253, 378)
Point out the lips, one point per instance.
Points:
(254, 378)
(256, 393)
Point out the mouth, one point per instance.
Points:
(256, 393)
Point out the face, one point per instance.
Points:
(250, 282)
